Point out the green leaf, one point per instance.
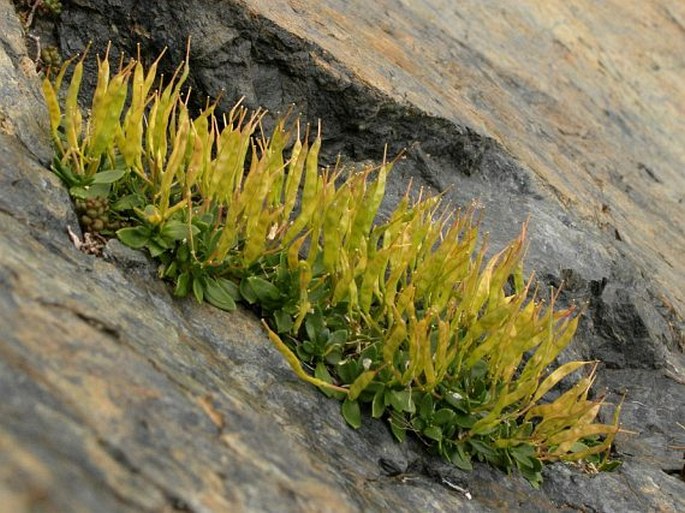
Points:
(401, 400)
(348, 371)
(246, 291)
(397, 426)
(198, 290)
(534, 477)
(78, 192)
(314, 325)
(352, 413)
(333, 347)
(523, 453)
(320, 293)
(200, 224)
(230, 287)
(65, 173)
(378, 405)
(321, 372)
(426, 406)
(333, 355)
(217, 295)
(337, 337)
(302, 353)
(322, 337)
(182, 284)
(465, 421)
(264, 291)
(444, 416)
(455, 399)
(610, 466)
(134, 237)
(171, 270)
(419, 423)
(434, 433)
(177, 230)
(485, 450)
(109, 176)
(526, 461)
(524, 430)
(156, 246)
(90, 191)
(479, 370)
(284, 321)
(163, 242)
(457, 455)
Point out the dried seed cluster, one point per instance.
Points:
(94, 214)
(51, 57)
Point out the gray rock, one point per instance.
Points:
(22, 113)
(125, 257)
(116, 397)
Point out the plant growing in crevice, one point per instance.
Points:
(404, 317)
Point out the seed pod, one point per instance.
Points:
(98, 225)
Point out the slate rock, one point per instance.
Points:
(117, 397)
(23, 113)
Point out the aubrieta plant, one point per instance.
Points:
(404, 318)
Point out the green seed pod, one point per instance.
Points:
(51, 57)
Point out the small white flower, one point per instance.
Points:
(366, 363)
(273, 231)
(456, 396)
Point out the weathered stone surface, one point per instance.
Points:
(118, 398)
(22, 111)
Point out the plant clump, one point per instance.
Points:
(51, 7)
(404, 318)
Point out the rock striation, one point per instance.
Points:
(116, 397)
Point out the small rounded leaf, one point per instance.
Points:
(352, 413)
(216, 294)
(434, 433)
(110, 176)
(134, 237)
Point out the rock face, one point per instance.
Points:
(116, 397)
